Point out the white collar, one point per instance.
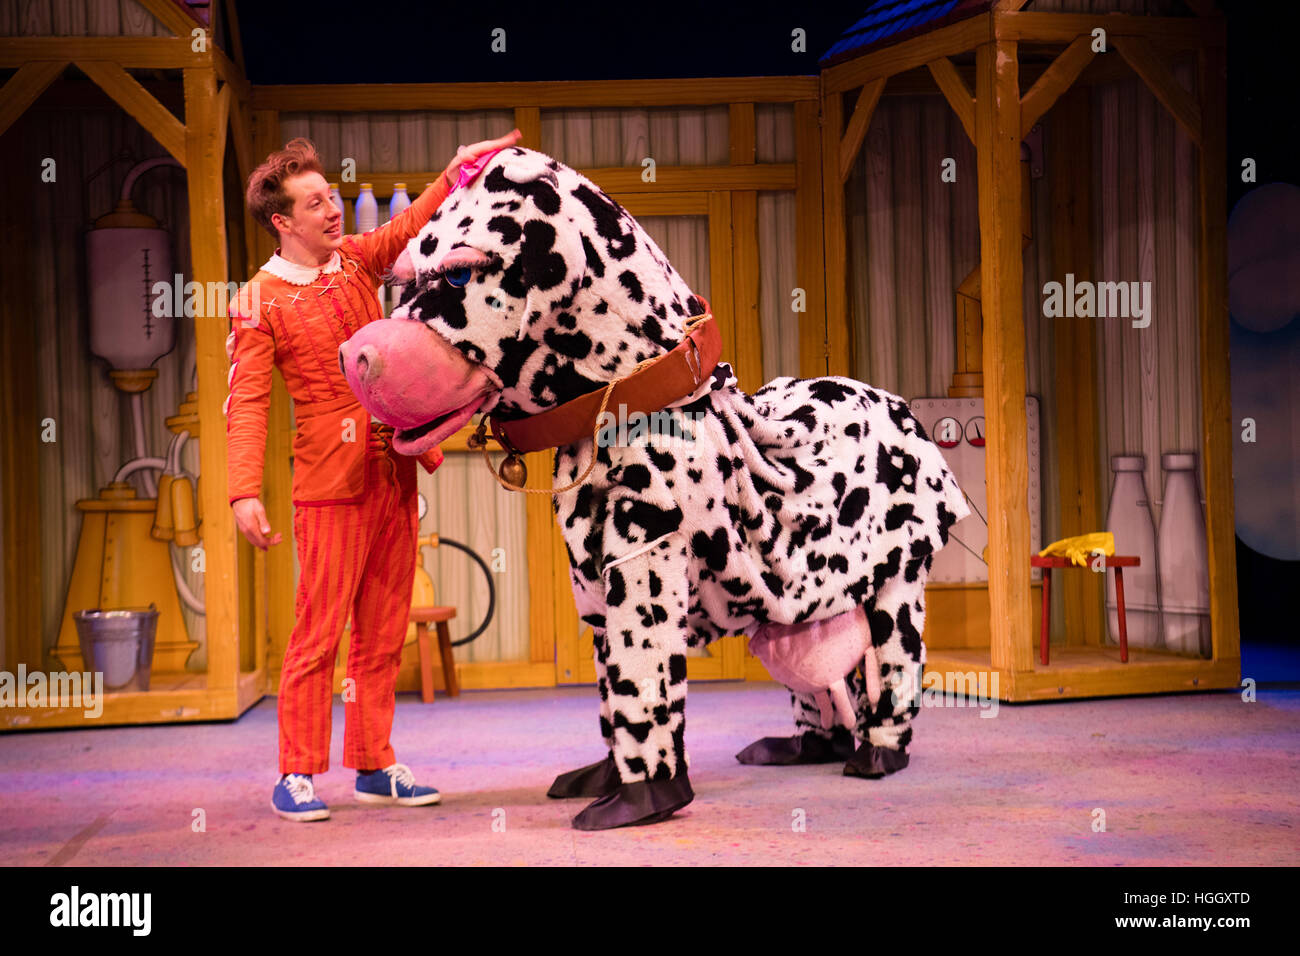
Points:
(295, 274)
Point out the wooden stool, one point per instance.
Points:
(1117, 561)
(423, 617)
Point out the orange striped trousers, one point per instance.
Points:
(358, 559)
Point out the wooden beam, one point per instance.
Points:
(208, 255)
(747, 354)
(24, 87)
(222, 119)
(1053, 27)
(1160, 80)
(540, 530)
(627, 179)
(742, 146)
(946, 41)
(1216, 397)
(528, 120)
(859, 122)
(157, 120)
(663, 204)
(810, 263)
(1055, 80)
(997, 127)
(20, 455)
(236, 41)
(228, 72)
(1070, 180)
(242, 136)
(137, 53)
(721, 274)
(956, 92)
(839, 334)
(544, 95)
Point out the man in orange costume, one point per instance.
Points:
(355, 518)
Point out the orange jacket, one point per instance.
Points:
(295, 318)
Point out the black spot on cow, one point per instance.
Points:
(538, 265)
(608, 216)
(636, 477)
(595, 264)
(887, 569)
(829, 392)
(541, 191)
(653, 520)
(616, 592)
(441, 301)
(713, 549)
(662, 460)
(900, 514)
(507, 228)
(575, 346)
(853, 506)
(633, 285)
(892, 476)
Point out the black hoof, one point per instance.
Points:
(593, 780)
(806, 748)
(875, 762)
(636, 804)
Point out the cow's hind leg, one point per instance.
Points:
(896, 615)
(810, 743)
(645, 630)
(601, 777)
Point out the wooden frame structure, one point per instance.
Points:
(216, 97)
(996, 116)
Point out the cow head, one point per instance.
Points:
(528, 288)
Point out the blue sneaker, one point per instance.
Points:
(395, 784)
(294, 798)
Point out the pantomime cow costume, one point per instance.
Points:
(805, 515)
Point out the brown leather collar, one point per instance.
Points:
(668, 378)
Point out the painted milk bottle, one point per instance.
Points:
(1184, 561)
(337, 198)
(1129, 520)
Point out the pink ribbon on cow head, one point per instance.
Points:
(468, 171)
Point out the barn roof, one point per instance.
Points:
(889, 21)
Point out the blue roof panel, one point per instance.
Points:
(894, 18)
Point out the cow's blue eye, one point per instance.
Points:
(457, 277)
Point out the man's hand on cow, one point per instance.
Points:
(250, 516)
(467, 154)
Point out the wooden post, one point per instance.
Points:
(208, 252)
(1216, 399)
(276, 475)
(839, 335)
(748, 354)
(1069, 148)
(810, 263)
(997, 127)
(19, 439)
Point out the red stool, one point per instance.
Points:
(423, 617)
(1117, 561)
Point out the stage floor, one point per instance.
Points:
(1182, 779)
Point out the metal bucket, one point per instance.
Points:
(119, 644)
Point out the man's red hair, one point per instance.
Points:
(265, 195)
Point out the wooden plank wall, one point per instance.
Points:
(95, 433)
(95, 18)
(1144, 207)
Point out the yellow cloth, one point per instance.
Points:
(1079, 548)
